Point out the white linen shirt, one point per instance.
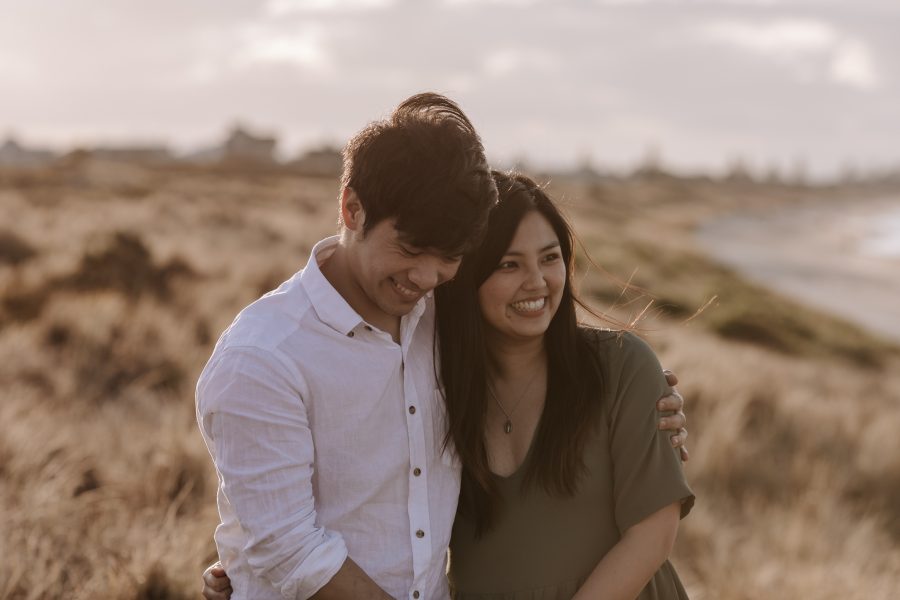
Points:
(326, 437)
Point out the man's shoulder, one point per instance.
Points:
(268, 321)
(253, 346)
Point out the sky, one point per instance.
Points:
(787, 84)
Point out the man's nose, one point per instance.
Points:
(425, 276)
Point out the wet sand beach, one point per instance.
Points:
(840, 257)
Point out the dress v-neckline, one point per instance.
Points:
(525, 460)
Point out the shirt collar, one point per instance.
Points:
(329, 305)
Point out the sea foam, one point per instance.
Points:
(883, 239)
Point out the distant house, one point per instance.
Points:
(320, 162)
(205, 156)
(13, 154)
(133, 154)
(244, 147)
(240, 147)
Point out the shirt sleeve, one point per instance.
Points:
(647, 470)
(260, 441)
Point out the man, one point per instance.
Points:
(319, 405)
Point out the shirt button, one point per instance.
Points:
(420, 534)
(412, 410)
(417, 471)
(350, 334)
(416, 594)
(368, 328)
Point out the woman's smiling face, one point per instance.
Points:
(521, 296)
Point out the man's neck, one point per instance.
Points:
(337, 272)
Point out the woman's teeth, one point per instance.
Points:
(529, 305)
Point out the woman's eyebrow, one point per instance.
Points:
(544, 249)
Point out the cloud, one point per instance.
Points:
(779, 39)
(546, 78)
(852, 65)
(810, 49)
(453, 3)
(281, 8)
(303, 47)
(687, 3)
(512, 60)
(14, 69)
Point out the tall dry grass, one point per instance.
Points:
(116, 280)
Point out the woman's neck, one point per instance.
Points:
(513, 359)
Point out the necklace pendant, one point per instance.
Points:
(507, 428)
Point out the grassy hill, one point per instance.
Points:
(115, 281)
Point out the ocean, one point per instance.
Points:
(841, 258)
(883, 238)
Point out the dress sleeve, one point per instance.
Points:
(256, 427)
(647, 471)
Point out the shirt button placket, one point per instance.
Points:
(417, 482)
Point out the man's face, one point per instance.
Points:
(392, 274)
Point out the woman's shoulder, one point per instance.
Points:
(616, 341)
(621, 351)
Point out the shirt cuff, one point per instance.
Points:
(326, 560)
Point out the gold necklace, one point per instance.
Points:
(507, 427)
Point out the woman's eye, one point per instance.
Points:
(507, 265)
(411, 253)
(551, 257)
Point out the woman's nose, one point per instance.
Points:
(534, 279)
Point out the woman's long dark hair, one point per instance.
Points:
(573, 377)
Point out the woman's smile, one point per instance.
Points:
(529, 308)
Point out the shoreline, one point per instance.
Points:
(819, 255)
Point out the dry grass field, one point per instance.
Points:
(115, 281)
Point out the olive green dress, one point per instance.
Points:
(543, 547)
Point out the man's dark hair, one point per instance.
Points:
(425, 167)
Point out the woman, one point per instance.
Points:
(569, 490)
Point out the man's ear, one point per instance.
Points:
(353, 215)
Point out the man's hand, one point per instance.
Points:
(676, 422)
(349, 582)
(216, 585)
